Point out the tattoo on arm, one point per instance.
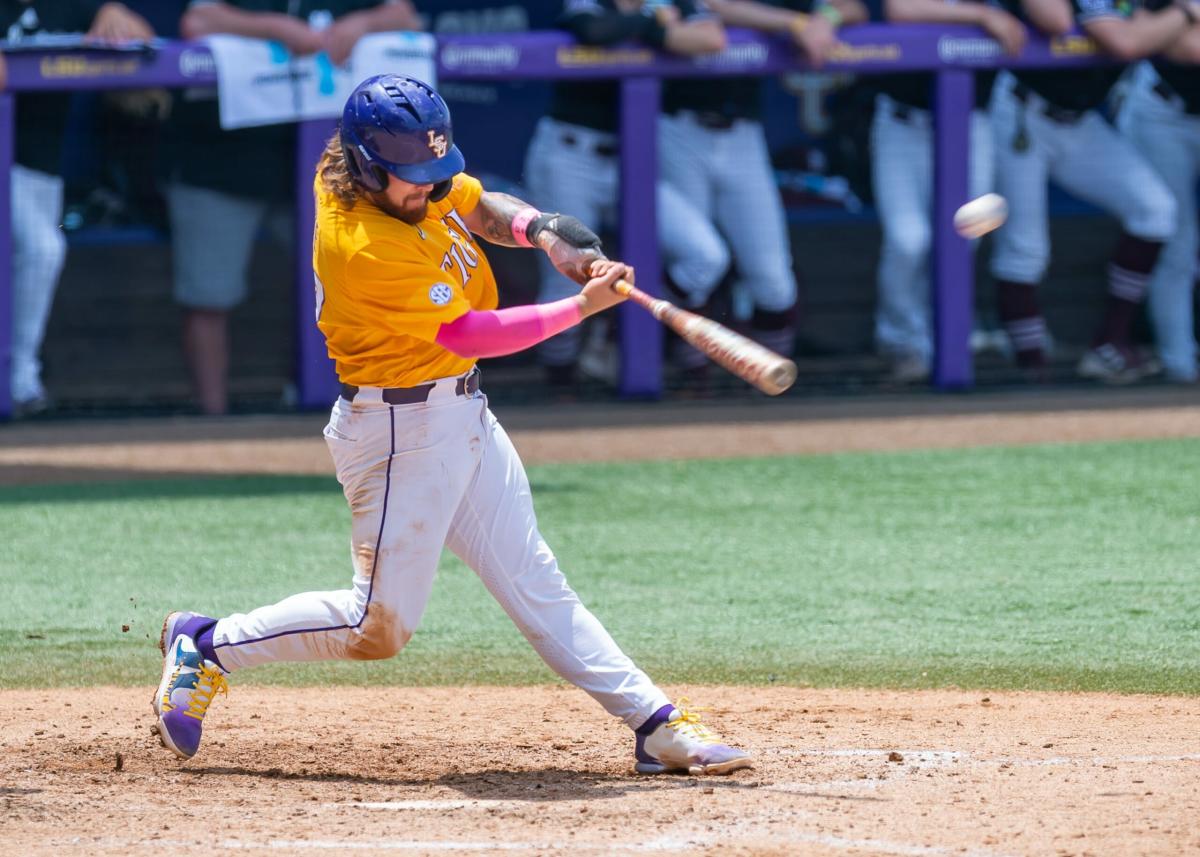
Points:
(495, 216)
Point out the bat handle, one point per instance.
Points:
(622, 288)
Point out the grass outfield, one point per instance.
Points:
(1053, 567)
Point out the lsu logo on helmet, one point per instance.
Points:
(437, 143)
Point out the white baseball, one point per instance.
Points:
(980, 216)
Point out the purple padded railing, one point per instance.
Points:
(952, 53)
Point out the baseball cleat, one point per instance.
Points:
(173, 625)
(682, 744)
(189, 683)
(1113, 364)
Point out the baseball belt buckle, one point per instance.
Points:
(468, 385)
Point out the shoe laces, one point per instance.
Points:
(210, 681)
(688, 723)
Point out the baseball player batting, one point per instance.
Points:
(1047, 125)
(407, 303)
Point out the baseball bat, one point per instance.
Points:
(745, 358)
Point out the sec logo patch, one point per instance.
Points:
(440, 294)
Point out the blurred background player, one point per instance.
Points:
(1048, 125)
(227, 185)
(572, 165)
(902, 177)
(713, 149)
(39, 247)
(1162, 116)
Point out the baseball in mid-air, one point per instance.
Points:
(980, 216)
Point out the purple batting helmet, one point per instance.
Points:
(399, 125)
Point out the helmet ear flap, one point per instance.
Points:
(379, 179)
(372, 177)
(441, 190)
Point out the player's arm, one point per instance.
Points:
(344, 33)
(775, 19)
(1145, 34)
(660, 27)
(814, 34)
(494, 333)
(116, 22)
(511, 222)
(206, 19)
(1186, 48)
(1051, 17)
(694, 35)
(1000, 25)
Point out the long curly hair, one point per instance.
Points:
(335, 175)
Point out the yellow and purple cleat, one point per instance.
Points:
(674, 740)
(189, 683)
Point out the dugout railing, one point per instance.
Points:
(952, 54)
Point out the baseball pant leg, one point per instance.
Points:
(495, 532)
(1170, 141)
(694, 254)
(212, 238)
(748, 210)
(684, 151)
(38, 252)
(686, 177)
(1024, 145)
(1103, 168)
(901, 172)
(981, 177)
(403, 470)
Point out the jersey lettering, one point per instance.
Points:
(463, 253)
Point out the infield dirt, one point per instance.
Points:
(541, 770)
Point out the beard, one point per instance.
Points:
(412, 213)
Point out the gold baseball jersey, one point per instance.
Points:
(384, 287)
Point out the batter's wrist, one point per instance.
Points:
(520, 225)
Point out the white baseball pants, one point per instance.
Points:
(1169, 139)
(1087, 158)
(576, 180)
(417, 478)
(39, 249)
(725, 175)
(902, 175)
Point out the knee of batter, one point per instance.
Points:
(381, 635)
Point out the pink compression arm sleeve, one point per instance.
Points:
(492, 333)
